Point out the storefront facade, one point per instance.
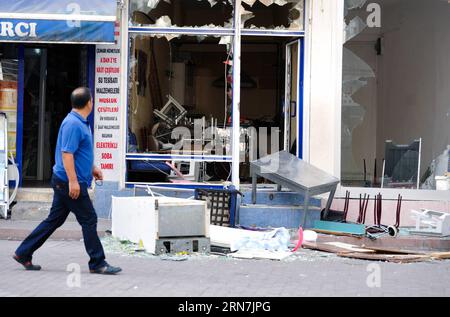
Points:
(195, 58)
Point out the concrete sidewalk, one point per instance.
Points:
(20, 229)
(307, 273)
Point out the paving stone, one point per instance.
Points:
(215, 276)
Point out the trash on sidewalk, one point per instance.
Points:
(222, 204)
(275, 240)
(339, 228)
(361, 253)
(431, 223)
(396, 258)
(125, 248)
(174, 257)
(308, 180)
(162, 224)
(272, 244)
(310, 236)
(338, 225)
(225, 237)
(335, 247)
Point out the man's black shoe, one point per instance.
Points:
(107, 269)
(27, 264)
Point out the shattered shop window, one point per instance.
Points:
(273, 14)
(179, 102)
(182, 13)
(395, 97)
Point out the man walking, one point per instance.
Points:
(72, 175)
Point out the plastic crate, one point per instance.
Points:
(222, 204)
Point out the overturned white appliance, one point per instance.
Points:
(430, 222)
(162, 224)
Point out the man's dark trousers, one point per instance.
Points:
(61, 207)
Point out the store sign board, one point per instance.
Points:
(107, 110)
(64, 21)
(12, 30)
(87, 7)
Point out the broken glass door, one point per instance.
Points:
(291, 104)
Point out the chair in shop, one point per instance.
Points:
(145, 170)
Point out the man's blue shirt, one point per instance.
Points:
(75, 137)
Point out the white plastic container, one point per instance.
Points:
(442, 183)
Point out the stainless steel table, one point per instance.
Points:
(286, 170)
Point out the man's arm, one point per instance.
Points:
(69, 166)
(97, 173)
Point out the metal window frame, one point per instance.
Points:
(237, 33)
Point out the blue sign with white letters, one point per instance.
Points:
(65, 21)
(92, 7)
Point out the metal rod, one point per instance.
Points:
(236, 95)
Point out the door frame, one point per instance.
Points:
(20, 101)
(299, 96)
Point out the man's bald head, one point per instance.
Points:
(80, 97)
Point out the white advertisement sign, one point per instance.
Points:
(107, 109)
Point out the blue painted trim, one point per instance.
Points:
(58, 31)
(212, 31)
(134, 157)
(304, 14)
(301, 99)
(180, 30)
(176, 185)
(125, 107)
(20, 97)
(289, 33)
(91, 82)
(208, 31)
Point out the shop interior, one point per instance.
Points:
(183, 81)
(51, 73)
(395, 110)
(179, 82)
(256, 14)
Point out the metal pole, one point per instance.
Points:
(124, 51)
(236, 94)
(42, 126)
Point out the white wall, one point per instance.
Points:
(323, 75)
(324, 53)
(409, 97)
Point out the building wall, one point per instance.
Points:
(324, 40)
(408, 97)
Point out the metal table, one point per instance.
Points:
(286, 170)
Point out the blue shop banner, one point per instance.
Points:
(63, 21)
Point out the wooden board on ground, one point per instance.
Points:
(385, 250)
(261, 254)
(335, 233)
(333, 248)
(350, 228)
(440, 255)
(350, 247)
(396, 258)
(225, 237)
